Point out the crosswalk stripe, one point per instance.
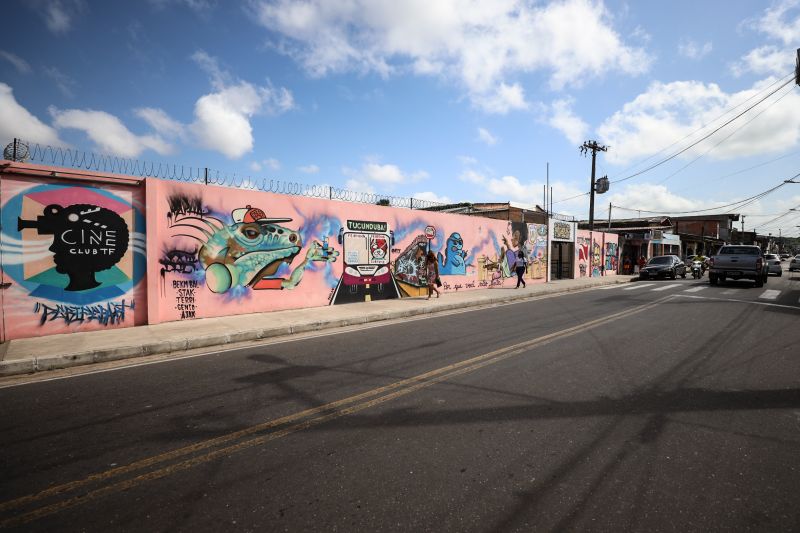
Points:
(696, 289)
(606, 287)
(639, 286)
(770, 294)
(731, 291)
(665, 287)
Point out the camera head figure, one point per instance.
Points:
(86, 239)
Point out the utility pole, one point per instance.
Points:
(742, 223)
(609, 216)
(594, 148)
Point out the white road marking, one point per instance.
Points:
(639, 286)
(696, 289)
(731, 291)
(606, 287)
(765, 304)
(770, 294)
(665, 287)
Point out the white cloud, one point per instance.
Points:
(20, 64)
(358, 185)
(650, 197)
(665, 112)
(781, 21)
(59, 15)
(108, 132)
(481, 45)
(429, 196)
(272, 164)
(504, 99)
(567, 122)
(200, 7)
(473, 176)
(222, 118)
(486, 136)
(64, 83)
(16, 121)
(693, 50)
(309, 169)
(374, 172)
(512, 188)
(764, 60)
(162, 123)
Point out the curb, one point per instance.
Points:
(161, 347)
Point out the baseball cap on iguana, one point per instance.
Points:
(250, 214)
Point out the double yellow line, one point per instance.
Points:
(210, 449)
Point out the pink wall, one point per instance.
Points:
(209, 254)
(596, 254)
(72, 256)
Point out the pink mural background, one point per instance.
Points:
(217, 251)
(71, 256)
(596, 254)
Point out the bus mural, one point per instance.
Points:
(366, 275)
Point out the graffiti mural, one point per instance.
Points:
(73, 257)
(246, 252)
(454, 261)
(409, 269)
(612, 257)
(597, 259)
(582, 246)
(86, 239)
(366, 274)
(538, 255)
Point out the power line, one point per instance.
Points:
(731, 134)
(740, 203)
(676, 154)
(704, 126)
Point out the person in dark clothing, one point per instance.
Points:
(521, 264)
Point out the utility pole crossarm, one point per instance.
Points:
(592, 146)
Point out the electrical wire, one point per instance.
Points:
(731, 134)
(704, 126)
(695, 143)
(740, 203)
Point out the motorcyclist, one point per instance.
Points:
(703, 261)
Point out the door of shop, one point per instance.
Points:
(562, 259)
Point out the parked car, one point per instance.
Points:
(773, 264)
(784, 257)
(663, 266)
(738, 261)
(794, 264)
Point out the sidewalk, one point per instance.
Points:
(38, 354)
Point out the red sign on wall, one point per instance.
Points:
(430, 232)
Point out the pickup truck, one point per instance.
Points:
(738, 261)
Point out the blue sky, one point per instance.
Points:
(445, 100)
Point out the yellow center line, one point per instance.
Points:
(315, 416)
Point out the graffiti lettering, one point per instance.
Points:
(105, 314)
(179, 261)
(180, 205)
(185, 297)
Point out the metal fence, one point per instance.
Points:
(23, 151)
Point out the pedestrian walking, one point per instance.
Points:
(432, 268)
(642, 262)
(521, 264)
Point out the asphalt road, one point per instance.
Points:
(650, 406)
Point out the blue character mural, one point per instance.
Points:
(454, 262)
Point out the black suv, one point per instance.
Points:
(663, 266)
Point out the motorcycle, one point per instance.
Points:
(697, 269)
